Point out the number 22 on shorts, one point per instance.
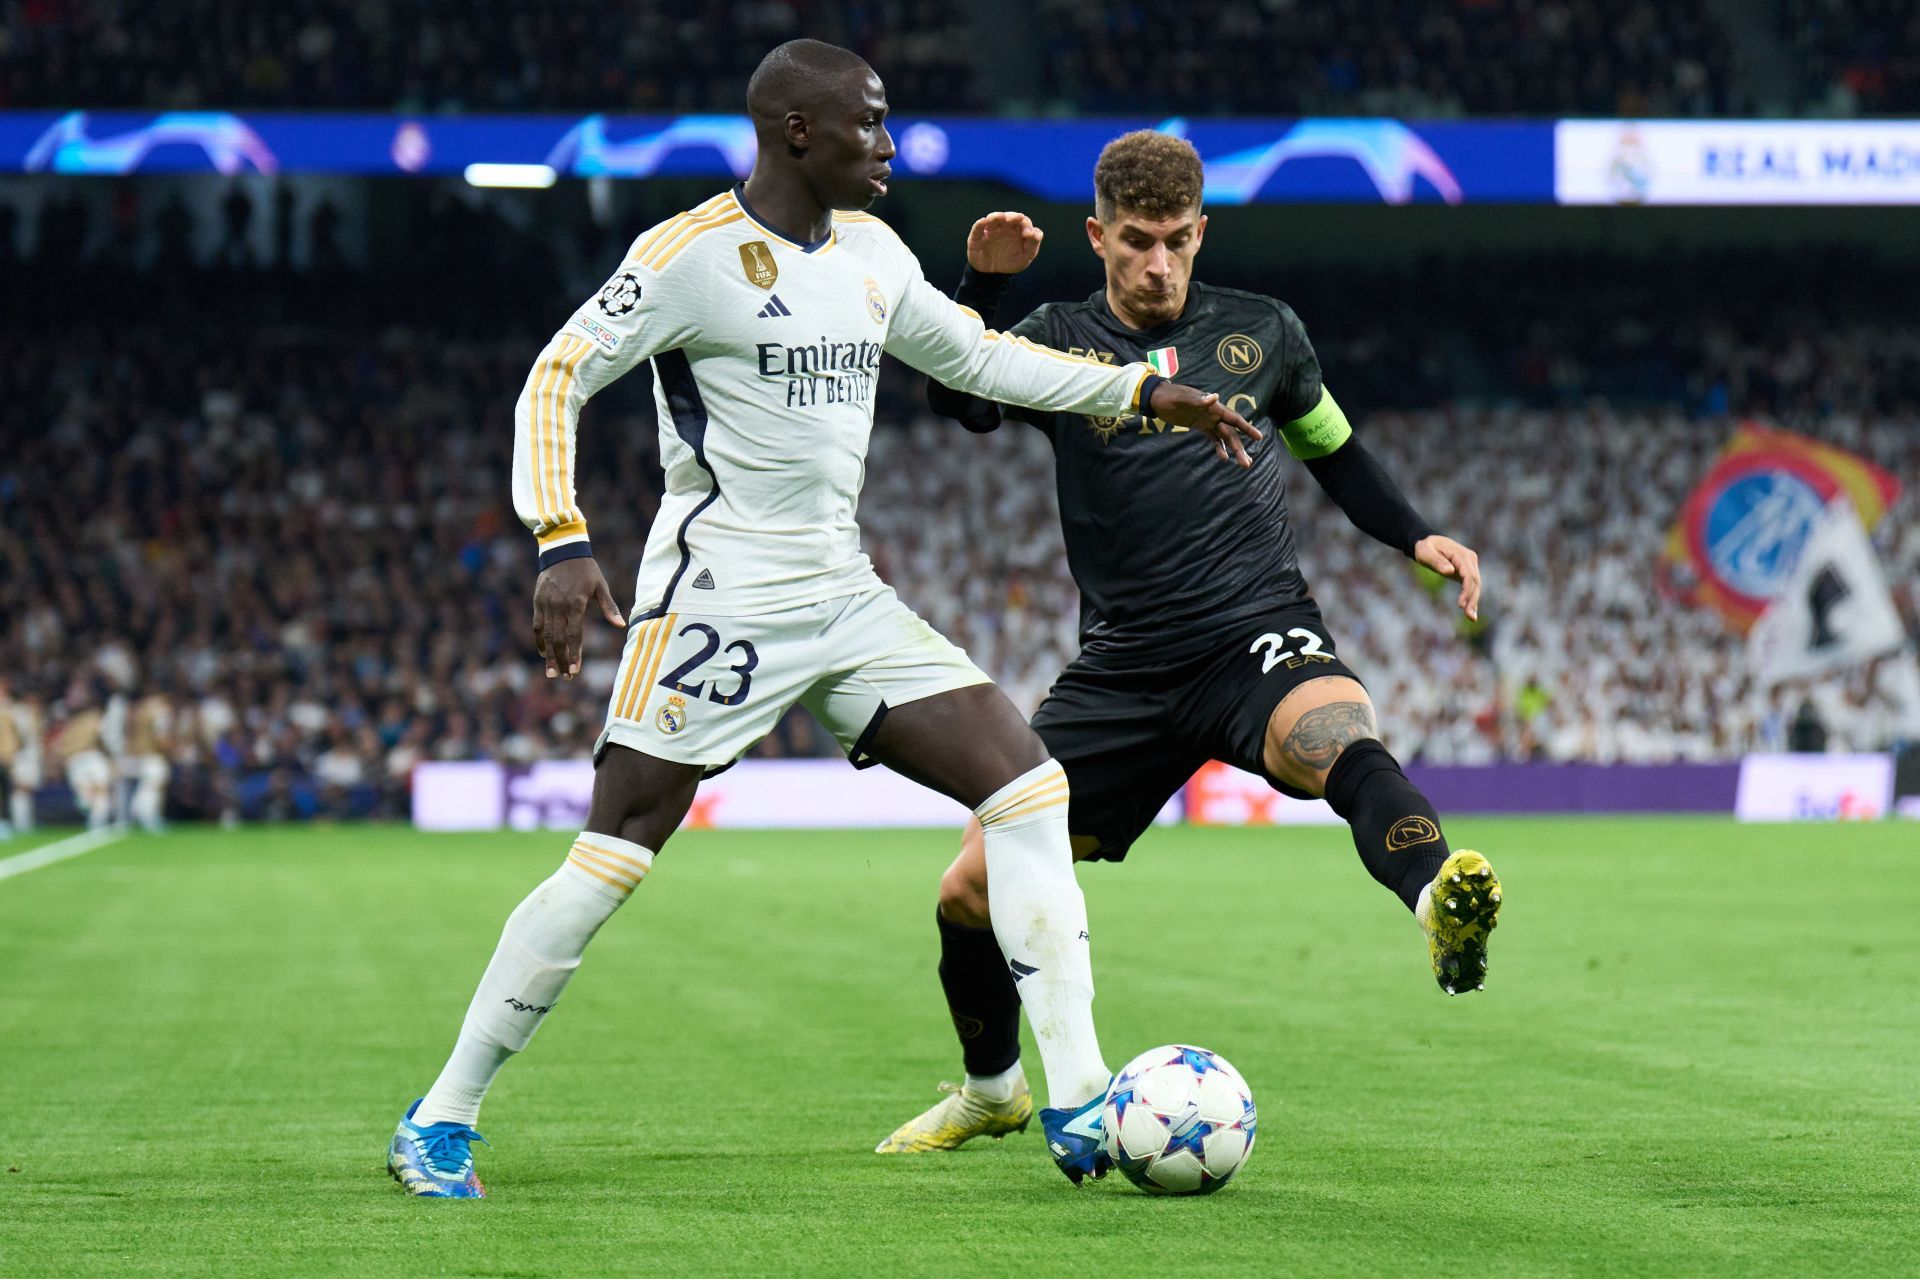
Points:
(1274, 644)
(709, 646)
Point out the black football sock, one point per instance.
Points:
(1394, 827)
(981, 996)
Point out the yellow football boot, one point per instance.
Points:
(958, 1118)
(1457, 910)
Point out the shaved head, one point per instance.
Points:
(802, 75)
(820, 119)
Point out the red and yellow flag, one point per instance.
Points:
(1743, 527)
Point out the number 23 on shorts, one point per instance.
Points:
(710, 645)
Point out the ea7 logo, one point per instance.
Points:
(519, 1007)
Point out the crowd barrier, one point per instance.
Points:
(486, 795)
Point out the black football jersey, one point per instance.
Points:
(1166, 541)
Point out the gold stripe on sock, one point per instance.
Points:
(591, 857)
(1054, 783)
(640, 867)
(1054, 776)
(625, 889)
(624, 861)
(1028, 809)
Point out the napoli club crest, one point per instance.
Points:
(672, 716)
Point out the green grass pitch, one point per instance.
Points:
(1698, 1054)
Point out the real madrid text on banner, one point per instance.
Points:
(1742, 529)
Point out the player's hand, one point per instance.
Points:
(561, 598)
(1205, 412)
(1003, 243)
(1450, 559)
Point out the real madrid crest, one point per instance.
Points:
(756, 259)
(876, 302)
(672, 717)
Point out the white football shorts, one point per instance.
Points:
(703, 690)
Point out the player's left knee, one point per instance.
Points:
(1312, 728)
(963, 897)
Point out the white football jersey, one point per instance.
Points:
(765, 354)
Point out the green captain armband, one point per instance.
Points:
(1319, 432)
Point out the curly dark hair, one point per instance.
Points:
(1155, 175)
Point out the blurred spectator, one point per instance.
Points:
(1807, 733)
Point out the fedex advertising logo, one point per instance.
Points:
(1814, 788)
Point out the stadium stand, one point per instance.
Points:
(1392, 57)
(455, 55)
(1417, 58)
(295, 531)
(1857, 57)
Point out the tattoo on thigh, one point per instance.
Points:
(1320, 734)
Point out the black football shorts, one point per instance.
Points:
(1130, 732)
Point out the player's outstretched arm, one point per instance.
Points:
(999, 246)
(1207, 413)
(1353, 477)
(1450, 559)
(949, 343)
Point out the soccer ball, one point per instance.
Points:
(1178, 1120)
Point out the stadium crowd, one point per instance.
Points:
(1396, 57)
(255, 544)
(457, 55)
(1415, 58)
(1856, 57)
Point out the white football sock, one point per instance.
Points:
(1040, 921)
(538, 952)
(1000, 1087)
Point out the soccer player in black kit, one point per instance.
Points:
(1199, 639)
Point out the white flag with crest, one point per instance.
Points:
(1835, 610)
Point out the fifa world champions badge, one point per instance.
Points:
(672, 716)
(756, 259)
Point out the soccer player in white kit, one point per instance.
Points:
(765, 312)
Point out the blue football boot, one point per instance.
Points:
(1073, 1139)
(435, 1160)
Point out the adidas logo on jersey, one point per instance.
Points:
(704, 582)
(774, 309)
